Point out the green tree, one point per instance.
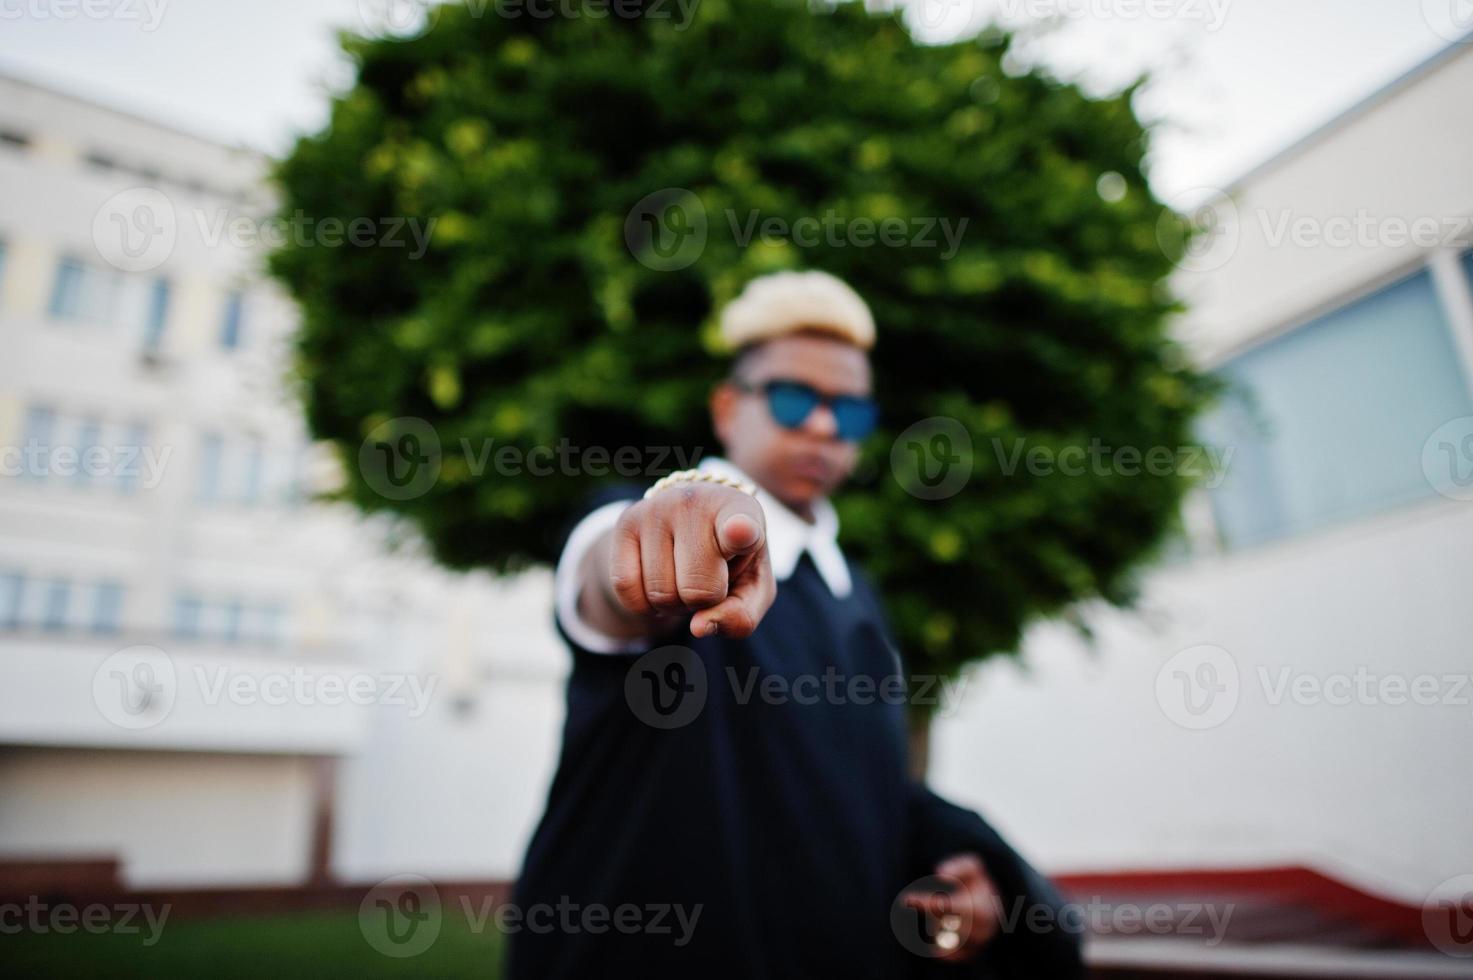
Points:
(592, 183)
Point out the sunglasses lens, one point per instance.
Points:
(791, 403)
(856, 417)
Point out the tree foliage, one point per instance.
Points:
(538, 316)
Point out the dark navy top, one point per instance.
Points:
(759, 785)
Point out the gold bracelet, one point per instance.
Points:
(700, 476)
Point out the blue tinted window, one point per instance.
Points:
(211, 461)
(66, 291)
(250, 489)
(40, 428)
(231, 615)
(89, 438)
(1334, 415)
(12, 592)
(187, 610)
(158, 315)
(270, 620)
(131, 458)
(57, 597)
(230, 328)
(107, 607)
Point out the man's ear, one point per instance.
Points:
(723, 410)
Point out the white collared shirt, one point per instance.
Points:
(788, 537)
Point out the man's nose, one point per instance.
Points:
(821, 423)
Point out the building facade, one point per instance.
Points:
(1294, 689)
(206, 674)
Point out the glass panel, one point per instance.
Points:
(230, 328)
(89, 437)
(250, 490)
(158, 314)
(107, 607)
(54, 607)
(270, 620)
(66, 291)
(132, 458)
(1335, 414)
(231, 614)
(40, 427)
(12, 592)
(211, 459)
(187, 609)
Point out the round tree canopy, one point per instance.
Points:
(587, 191)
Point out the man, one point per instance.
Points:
(732, 797)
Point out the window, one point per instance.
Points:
(187, 611)
(89, 438)
(1334, 415)
(211, 460)
(90, 294)
(235, 470)
(40, 429)
(230, 617)
(231, 620)
(12, 592)
(133, 458)
(230, 327)
(268, 628)
(74, 291)
(158, 315)
(250, 489)
(107, 607)
(58, 596)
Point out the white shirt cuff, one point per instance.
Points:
(567, 579)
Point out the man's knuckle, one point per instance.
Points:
(702, 593)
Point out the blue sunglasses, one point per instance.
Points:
(791, 402)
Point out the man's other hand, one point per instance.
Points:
(969, 912)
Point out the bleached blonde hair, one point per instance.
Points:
(789, 302)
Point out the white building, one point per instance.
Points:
(154, 493)
(1295, 693)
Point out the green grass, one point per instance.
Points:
(325, 944)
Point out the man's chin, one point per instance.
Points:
(800, 493)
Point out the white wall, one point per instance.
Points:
(1072, 751)
(174, 819)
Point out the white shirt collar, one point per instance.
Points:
(789, 535)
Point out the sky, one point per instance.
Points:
(1233, 81)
